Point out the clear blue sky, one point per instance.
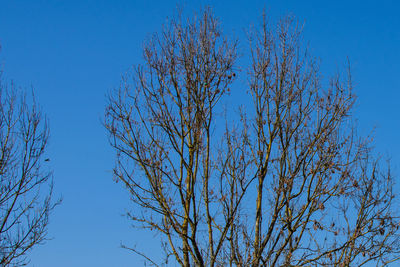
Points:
(74, 52)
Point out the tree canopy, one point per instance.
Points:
(286, 180)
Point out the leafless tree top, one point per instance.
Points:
(290, 183)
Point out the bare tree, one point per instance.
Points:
(25, 185)
(290, 183)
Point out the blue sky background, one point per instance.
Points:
(74, 52)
